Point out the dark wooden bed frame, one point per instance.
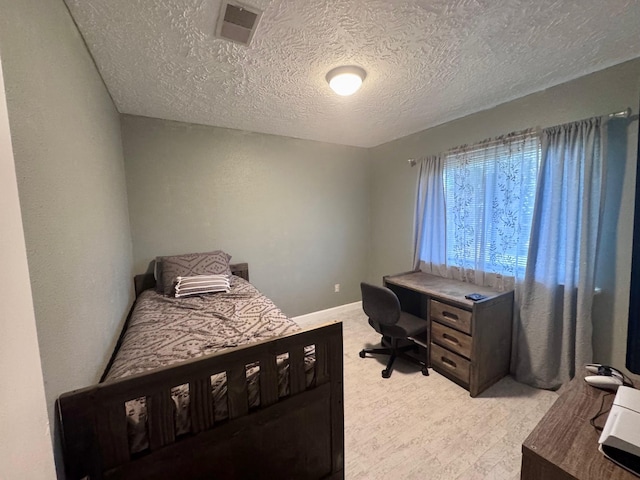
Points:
(300, 436)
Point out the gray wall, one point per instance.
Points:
(296, 210)
(68, 154)
(393, 184)
(27, 418)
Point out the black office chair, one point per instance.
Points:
(387, 318)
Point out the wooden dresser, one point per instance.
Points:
(469, 342)
(564, 445)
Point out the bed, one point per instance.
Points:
(264, 401)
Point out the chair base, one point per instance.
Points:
(394, 351)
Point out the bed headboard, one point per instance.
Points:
(146, 281)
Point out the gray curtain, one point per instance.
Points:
(552, 337)
(429, 252)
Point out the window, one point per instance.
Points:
(489, 194)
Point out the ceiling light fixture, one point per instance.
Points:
(346, 80)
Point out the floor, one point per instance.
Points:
(415, 427)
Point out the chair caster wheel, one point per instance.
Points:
(362, 354)
(386, 373)
(425, 371)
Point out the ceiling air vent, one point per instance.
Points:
(237, 22)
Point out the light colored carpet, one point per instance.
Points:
(415, 427)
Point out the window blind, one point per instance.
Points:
(490, 192)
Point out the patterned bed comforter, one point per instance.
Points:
(165, 330)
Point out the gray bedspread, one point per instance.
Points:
(165, 330)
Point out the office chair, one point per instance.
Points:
(387, 318)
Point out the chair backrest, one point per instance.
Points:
(380, 304)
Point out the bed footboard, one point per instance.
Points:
(297, 436)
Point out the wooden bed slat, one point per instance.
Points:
(321, 365)
(268, 380)
(160, 413)
(297, 379)
(201, 404)
(76, 414)
(111, 428)
(336, 371)
(237, 391)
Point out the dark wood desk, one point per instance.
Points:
(469, 342)
(564, 445)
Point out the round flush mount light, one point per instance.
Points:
(346, 80)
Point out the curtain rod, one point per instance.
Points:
(622, 114)
(626, 113)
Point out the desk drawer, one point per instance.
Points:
(451, 339)
(447, 361)
(452, 316)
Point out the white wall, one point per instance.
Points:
(25, 443)
(393, 184)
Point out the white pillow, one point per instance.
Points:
(200, 284)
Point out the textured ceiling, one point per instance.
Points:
(427, 61)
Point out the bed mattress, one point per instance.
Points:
(165, 330)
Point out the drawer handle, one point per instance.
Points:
(450, 339)
(450, 316)
(448, 363)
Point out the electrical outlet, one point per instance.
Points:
(336, 287)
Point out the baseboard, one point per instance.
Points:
(321, 315)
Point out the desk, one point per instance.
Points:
(564, 445)
(468, 342)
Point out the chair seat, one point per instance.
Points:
(408, 326)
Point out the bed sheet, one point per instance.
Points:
(166, 330)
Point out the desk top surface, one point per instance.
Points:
(565, 438)
(453, 290)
